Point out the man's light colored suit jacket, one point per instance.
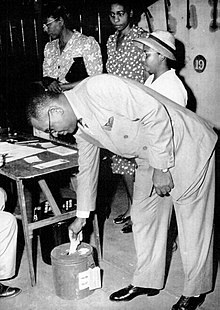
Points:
(132, 120)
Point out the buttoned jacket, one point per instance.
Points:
(132, 120)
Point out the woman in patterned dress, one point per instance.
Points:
(124, 59)
(64, 48)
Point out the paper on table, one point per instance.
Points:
(16, 151)
(62, 150)
(47, 145)
(32, 159)
(51, 163)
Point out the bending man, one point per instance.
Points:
(171, 144)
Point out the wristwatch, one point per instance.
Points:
(165, 170)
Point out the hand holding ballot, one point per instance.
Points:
(76, 227)
(74, 242)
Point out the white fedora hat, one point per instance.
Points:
(162, 42)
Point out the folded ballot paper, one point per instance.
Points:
(74, 242)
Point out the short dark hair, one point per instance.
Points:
(38, 100)
(127, 4)
(56, 11)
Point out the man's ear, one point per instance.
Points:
(61, 20)
(56, 110)
(162, 57)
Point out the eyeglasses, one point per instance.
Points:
(47, 25)
(147, 54)
(50, 130)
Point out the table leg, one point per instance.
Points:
(73, 180)
(22, 204)
(49, 196)
(97, 237)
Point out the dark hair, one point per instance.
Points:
(38, 100)
(127, 4)
(57, 11)
(140, 8)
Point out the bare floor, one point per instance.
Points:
(117, 267)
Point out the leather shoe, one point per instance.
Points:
(189, 303)
(121, 219)
(127, 228)
(174, 246)
(8, 291)
(130, 292)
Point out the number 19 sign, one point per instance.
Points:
(199, 63)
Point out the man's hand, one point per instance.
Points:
(68, 86)
(76, 227)
(163, 182)
(54, 87)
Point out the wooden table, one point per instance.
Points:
(21, 172)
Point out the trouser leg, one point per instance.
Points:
(8, 245)
(194, 213)
(150, 217)
(129, 184)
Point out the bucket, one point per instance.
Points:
(70, 272)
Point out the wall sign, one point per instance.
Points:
(199, 63)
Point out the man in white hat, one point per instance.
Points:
(159, 57)
(8, 247)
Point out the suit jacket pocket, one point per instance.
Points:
(125, 134)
